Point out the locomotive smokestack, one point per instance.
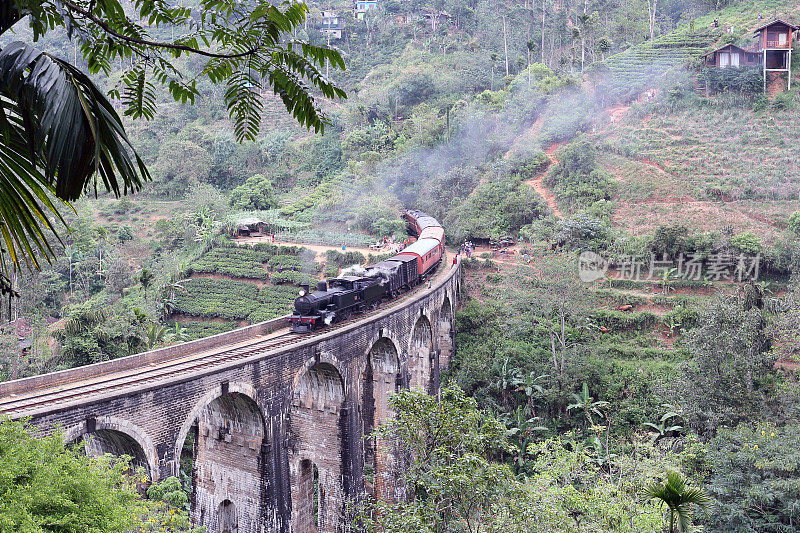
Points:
(322, 286)
(304, 289)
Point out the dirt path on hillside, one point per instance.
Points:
(538, 182)
(615, 114)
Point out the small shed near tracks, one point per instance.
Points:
(250, 227)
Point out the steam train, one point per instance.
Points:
(339, 298)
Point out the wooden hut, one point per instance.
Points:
(731, 55)
(774, 42)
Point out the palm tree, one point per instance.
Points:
(84, 318)
(61, 135)
(531, 46)
(172, 288)
(146, 278)
(679, 498)
(494, 57)
(72, 256)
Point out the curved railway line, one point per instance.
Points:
(117, 383)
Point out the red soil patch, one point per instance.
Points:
(783, 364)
(546, 194)
(650, 162)
(552, 149)
(618, 112)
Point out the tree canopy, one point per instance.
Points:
(60, 132)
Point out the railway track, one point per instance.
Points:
(120, 382)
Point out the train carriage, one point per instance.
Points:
(433, 232)
(419, 221)
(401, 272)
(428, 253)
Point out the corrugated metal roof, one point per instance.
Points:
(421, 247)
(776, 21)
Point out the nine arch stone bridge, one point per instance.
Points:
(274, 421)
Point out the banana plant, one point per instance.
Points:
(600, 453)
(505, 379)
(529, 384)
(666, 425)
(587, 405)
(672, 323)
(178, 334)
(156, 334)
(521, 430)
(666, 280)
(204, 221)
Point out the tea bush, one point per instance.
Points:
(237, 262)
(217, 298)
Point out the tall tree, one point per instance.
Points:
(560, 305)
(652, 6)
(731, 374)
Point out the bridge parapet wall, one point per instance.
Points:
(141, 360)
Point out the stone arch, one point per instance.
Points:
(118, 437)
(316, 440)
(228, 519)
(228, 459)
(421, 356)
(382, 377)
(191, 419)
(445, 333)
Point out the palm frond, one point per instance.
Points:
(59, 132)
(72, 130)
(679, 497)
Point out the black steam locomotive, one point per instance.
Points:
(340, 298)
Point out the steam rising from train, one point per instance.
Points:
(360, 289)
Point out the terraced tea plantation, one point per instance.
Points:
(237, 262)
(253, 262)
(249, 284)
(195, 329)
(234, 300)
(679, 168)
(629, 72)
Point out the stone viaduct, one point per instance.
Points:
(274, 422)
